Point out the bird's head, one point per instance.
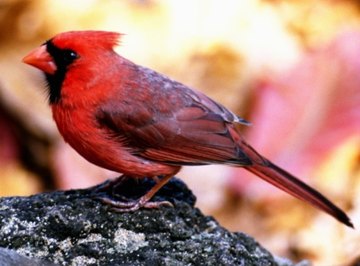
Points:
(73, 49)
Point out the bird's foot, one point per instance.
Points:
(109, 194)
(133, 205)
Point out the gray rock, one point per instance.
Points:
(11, 258)
(75, 228)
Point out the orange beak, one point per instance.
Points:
(41, 59)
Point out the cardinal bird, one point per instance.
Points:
(135, 121)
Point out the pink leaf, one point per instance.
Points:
(300, 117)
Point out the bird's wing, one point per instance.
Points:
(178, 126)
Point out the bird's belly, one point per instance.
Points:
(98, 147)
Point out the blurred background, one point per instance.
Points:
(292, 68)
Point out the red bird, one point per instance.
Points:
(133, 120)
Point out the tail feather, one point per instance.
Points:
(290, 184)
(280, 178)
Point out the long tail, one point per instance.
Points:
(290, 184)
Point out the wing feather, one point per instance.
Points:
(177, 126)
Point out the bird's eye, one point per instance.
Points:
(69, 56)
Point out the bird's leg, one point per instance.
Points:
(109, 184)
(143, 202)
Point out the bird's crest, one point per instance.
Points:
(104, 39)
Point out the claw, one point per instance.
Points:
(128, 206)
(122, 204)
